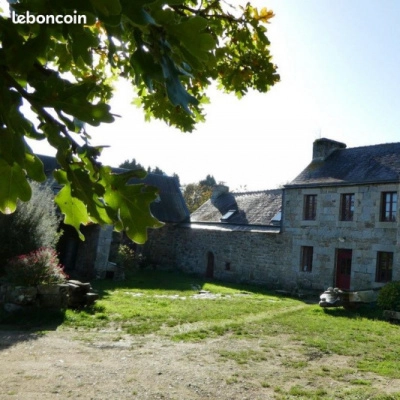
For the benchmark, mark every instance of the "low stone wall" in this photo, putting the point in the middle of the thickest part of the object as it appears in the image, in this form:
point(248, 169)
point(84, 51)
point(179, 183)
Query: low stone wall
point(72, 294)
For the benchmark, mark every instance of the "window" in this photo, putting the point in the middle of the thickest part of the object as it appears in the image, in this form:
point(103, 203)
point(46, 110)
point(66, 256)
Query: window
point(347, 207)
point(306, 258)
point(310, 207)
point(389, 206)
point(227, 215)
point(384, 266)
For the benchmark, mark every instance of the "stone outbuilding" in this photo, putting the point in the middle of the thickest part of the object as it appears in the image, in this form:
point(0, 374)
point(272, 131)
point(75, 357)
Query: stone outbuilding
point(91, 258)
point(232, 237)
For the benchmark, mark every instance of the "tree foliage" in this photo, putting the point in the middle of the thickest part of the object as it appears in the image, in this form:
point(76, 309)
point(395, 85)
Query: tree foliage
point(208, 182)
point(133, 164)
point(170, 50)
point(196, 194)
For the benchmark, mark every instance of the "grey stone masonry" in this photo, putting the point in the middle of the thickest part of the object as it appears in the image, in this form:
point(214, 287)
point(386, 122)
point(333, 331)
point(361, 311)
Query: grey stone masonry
point(322, 148)
point(261, 258)
point(101, 264)
point(365, 235)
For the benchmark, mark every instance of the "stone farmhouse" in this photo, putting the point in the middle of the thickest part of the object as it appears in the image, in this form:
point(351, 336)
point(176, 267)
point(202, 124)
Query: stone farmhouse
point(335, 224)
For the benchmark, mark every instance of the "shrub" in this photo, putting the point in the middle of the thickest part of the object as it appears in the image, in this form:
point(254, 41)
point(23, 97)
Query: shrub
point(33, 225)
point(37, 267)
point(130, 259)
point(389, 296)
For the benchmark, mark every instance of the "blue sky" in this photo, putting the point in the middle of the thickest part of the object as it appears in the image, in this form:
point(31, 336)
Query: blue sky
point(339, 65)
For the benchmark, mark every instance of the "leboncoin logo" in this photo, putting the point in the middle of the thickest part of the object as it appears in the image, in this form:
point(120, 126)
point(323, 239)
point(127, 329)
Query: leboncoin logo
point(29, 18)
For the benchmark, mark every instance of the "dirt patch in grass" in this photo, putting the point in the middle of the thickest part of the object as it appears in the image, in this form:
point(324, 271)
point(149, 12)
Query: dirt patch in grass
point(111, 365)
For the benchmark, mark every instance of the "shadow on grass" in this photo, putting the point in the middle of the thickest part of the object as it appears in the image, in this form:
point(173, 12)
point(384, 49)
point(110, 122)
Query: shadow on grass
point(176, 281)
point(369, 311)
point(147, 279)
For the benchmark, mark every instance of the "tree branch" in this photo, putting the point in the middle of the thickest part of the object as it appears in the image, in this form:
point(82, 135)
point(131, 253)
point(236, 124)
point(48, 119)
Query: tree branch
point(39, 109)
point(204, 13)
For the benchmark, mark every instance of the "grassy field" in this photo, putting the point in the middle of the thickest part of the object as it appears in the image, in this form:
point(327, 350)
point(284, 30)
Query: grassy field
point(168, 305)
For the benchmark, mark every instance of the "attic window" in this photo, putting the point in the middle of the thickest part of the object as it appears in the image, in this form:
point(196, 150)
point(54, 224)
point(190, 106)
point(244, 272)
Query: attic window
point(276, 220)
point(227, 215)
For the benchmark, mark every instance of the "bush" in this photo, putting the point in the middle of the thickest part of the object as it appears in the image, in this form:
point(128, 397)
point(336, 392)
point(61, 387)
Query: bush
point(37, 267)
point(129, 259)
point(389, 296)
point(33, 225)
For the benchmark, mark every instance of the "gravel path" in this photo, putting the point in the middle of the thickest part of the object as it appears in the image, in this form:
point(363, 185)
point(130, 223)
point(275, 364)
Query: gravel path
point(108, 365)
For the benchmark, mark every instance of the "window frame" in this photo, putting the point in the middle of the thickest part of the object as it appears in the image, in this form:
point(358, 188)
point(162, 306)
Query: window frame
point(306, 258)
point(388, 210)
point(310, 207)
point(347, 207)
point(384, 267)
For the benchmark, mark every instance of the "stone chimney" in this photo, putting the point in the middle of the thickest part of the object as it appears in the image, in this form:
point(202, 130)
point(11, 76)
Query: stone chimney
point(323, 148)
point(217, 190)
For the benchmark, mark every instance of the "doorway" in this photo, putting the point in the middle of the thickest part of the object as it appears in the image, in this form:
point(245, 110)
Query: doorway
point(343, 268)
point(210, 265)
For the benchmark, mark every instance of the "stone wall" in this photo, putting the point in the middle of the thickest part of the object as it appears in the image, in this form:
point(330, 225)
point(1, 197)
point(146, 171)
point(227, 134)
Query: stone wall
point(160, 248)
point(104, 240)
point(249, 257)
point(87, 253)
point(89, 259)
point(365, 235)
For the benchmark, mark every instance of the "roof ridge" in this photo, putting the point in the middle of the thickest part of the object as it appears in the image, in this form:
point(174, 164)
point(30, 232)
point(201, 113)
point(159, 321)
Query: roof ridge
point(371, 145)
point(257, 191)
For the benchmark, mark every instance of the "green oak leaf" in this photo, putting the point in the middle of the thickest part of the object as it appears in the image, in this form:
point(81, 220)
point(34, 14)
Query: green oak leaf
point(191, 36)
point(12, 146)
point(88, 189)
point(13, 186)
point(135, 12)
point(175, 90)
point(34, 167)
point(107, 7)
point(133, 204)
point(74, 210)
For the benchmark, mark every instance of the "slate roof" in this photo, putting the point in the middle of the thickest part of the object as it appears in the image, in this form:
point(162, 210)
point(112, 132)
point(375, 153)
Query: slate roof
point(49, 163)
point(251, 209)
point(169, 207)
point(359, 165)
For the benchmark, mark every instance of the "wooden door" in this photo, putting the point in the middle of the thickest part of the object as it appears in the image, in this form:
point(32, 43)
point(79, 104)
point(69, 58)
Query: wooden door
point(343, 268)
point(210, 265)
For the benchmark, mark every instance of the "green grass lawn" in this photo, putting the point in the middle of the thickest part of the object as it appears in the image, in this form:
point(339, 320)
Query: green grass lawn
point(167, 304)
point(159, 302)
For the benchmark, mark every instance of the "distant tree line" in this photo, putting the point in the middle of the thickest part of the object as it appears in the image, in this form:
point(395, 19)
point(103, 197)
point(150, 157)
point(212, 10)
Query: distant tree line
point(196, 194)
point(133, 164)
